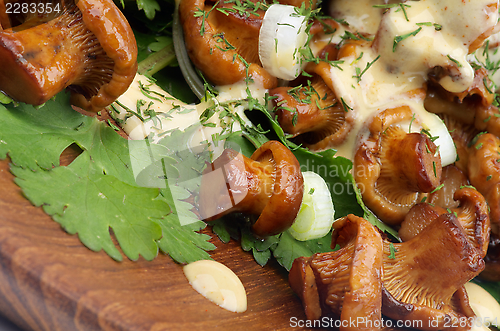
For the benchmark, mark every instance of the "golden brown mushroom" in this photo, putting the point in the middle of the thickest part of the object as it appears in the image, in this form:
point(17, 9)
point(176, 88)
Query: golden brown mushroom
point(471, 213)
point(346, 282)
point(392, 167)
point(408, 276)
point(423, 278)
point(484, 173)
point(311, 114)
point(222, 45)
point(87, 47)
point(268, 185)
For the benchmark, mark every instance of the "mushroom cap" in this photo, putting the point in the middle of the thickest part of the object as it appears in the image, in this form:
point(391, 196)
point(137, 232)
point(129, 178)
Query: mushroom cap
point(268, 185)
point(284, 203)
point(471, 107)
point(89, 48)
point(117, 39)
point(303, 282)
point(4, 17)
point(418, 218)
point(414, 286)
point(471, 213)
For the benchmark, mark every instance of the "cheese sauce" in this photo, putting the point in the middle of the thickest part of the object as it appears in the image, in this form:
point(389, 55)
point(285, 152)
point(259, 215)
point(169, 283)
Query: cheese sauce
point(362, 15)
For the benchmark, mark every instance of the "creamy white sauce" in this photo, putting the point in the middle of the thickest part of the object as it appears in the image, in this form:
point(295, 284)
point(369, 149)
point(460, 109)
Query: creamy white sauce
point(408, 43)
point(174, 114)
point(218, 284)
point(491, 55)
point(377, 90)
point(485, 307)
point(459, 24)
point(361, 15)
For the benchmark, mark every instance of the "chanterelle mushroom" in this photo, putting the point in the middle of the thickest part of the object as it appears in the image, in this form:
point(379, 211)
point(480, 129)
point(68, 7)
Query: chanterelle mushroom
point(311, 114)
point(269, 185)
point(346, 282)
point(420, 280)
point(393, 167)
point(471, 213)
point(88, 47)
point(224, 54)
point(423, 277)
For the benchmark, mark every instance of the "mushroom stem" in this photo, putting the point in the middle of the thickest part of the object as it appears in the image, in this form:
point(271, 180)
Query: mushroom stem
point(213, 53)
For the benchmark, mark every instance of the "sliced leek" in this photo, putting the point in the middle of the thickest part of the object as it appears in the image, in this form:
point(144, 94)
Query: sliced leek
point(282, 35)
point(438, 132)
point(316, 214)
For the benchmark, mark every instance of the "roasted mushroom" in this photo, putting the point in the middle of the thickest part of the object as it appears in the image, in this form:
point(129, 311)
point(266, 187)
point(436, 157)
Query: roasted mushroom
point(346, 282)
point(484, 173)
point(393, 167)
point(269, 185)
point(224, 47)
point(471, 213)
point(87, 47)
point(311, 114)
point(414, 286)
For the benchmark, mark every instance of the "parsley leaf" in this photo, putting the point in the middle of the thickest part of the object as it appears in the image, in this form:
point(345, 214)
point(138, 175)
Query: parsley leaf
point(90, 204)
point(150, 7)
point(97, 192)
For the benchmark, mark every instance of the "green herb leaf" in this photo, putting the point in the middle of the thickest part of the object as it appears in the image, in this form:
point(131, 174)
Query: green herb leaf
point(288, 248)
point(97, 191)
point(89, 204)
point(399, 39)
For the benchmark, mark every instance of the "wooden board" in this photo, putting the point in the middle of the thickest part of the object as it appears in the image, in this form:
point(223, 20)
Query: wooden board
point(50, 281)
